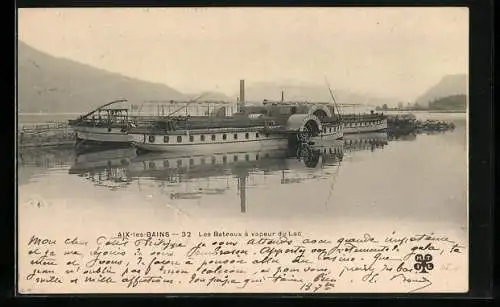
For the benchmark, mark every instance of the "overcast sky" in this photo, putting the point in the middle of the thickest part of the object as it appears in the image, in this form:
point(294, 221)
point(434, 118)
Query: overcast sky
point(395, 52)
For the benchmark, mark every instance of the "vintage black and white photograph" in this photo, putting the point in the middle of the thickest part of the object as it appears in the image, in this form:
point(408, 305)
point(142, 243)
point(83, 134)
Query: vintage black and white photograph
point(242, 150)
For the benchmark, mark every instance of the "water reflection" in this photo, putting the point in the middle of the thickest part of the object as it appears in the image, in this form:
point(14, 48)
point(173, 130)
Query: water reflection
point(183, 177)
point(366, 141)
point(106, 168)
point(46, 158)
point(369, 177)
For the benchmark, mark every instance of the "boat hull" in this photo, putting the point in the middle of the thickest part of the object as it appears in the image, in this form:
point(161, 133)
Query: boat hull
point(328, 136)
point(222, 147)
point(365, 129)
point(101, 135)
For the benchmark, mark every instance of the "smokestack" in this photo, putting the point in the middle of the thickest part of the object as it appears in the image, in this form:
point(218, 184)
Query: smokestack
point(242, 95)
point(282, 96)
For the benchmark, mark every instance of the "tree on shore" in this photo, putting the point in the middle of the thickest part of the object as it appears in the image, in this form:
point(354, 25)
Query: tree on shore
point(454, 102)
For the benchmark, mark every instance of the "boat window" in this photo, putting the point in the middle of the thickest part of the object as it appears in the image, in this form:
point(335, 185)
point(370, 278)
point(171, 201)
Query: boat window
point(267, 135)
point(257, 157)
point(165, 163)
point(202, 138)
point(202, 160)
point(235, 158)
point(166, 138)
point(213, 160)
point(247, 157)
point(224, 159)
point(256, 134)
point(224, 136)
point(191, 162)
point(179, 162)
point(152, 165)
point(213, 137)
point(179, 139)
point(151, 139)
point(236, 136)
point(324, 130)
point(330, 130)
point(247, 135)
point(191, 138)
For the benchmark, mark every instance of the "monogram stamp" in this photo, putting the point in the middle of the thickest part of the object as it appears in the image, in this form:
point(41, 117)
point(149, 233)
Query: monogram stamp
point(423, 264)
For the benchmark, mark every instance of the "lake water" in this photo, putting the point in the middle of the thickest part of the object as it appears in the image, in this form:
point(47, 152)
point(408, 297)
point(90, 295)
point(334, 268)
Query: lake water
point(366, 183)
point(423, 178)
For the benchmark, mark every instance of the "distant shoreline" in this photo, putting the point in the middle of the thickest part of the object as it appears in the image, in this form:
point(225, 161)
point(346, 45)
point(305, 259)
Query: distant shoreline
point(47, 114)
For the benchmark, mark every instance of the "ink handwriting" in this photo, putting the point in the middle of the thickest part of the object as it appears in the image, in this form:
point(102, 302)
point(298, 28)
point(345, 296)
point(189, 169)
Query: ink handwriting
point(241, 261)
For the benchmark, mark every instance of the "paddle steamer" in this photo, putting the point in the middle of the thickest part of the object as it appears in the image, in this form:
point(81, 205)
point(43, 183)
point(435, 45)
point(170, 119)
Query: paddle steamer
point(268, 126)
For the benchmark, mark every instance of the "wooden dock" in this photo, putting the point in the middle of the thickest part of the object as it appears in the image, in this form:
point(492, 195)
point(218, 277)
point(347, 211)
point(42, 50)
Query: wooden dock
point(45, 135)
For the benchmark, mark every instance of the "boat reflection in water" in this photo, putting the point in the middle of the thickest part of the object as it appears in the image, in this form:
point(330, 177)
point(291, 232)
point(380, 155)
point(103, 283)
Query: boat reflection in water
point(366, 141)
point(187, 177)
point(105, 168)
point(394, 136)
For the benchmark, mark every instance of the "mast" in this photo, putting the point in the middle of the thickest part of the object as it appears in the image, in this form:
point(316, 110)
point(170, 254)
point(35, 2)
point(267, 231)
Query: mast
point(335, 106)
point(191, 101)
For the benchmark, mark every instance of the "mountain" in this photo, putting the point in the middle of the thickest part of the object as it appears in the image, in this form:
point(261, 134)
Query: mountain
point(257, 92)
point(50, 84)
point(448, 86)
